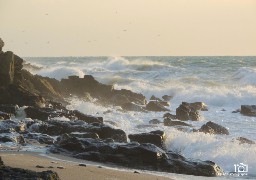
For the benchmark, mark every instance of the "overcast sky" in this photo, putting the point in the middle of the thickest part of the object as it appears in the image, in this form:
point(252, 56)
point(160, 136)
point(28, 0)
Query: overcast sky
point(128, 27)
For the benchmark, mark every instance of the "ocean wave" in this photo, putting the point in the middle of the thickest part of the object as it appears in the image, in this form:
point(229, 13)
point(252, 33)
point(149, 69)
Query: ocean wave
point(60, 72)
point(245, 76)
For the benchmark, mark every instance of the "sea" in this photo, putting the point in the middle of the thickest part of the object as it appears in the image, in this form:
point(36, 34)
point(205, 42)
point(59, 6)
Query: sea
point(222, 83)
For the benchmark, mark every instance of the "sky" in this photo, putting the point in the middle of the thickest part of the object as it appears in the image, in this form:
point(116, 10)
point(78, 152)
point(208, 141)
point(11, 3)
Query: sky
point(129, 27)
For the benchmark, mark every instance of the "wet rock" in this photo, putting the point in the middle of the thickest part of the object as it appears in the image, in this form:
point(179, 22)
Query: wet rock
point(4, 115)
point(164, 103)
point(170, 122)
point(243, 140)
point(39, 113)
point(9, 126)
point(154, 137)
point(10, 173)
point(186, 112)
point(132, 107)
point(83, 165)
point(154, 121)
point(154, 98)
point(85, 135)
point(119, 100)
point(169, 116)
point(199, 106)
point(6, 69)
point(133, 97)
point(135, 155)
point(155, 106)
point(15, 138)
point(87, 118)
point(9, 108)
point(41, 138)
point(248, 110)
point(213, 128)
point(167, 98)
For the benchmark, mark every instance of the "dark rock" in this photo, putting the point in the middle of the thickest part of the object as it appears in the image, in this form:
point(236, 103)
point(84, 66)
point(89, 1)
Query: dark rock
point(248, 110)
point(170, 122)
point(236, 111)
point(15, 138)
point(243, 140)
point(87, 118)
point(4, 115)
point(119, 100)
point(85, 135)
point(9, 173)
point(154, 121)
point(39, 113)
point(136, 172)
point(135, 155)
point(164, 103)
point(9, 126)
point(213, 128)
point(8, 108)
point(154, 98)
point(6, 69)
point(41, 138)
point(155, 106)
point(199, 106)
point(154, 137)
point(186, 112)
point(38, 166)
point(169, 116)
point(84, 165)
point(167, 98)
point(132, 107)
point(133, 97)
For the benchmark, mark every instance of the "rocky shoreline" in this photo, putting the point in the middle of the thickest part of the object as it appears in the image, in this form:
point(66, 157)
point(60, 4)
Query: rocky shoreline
point(88, 137)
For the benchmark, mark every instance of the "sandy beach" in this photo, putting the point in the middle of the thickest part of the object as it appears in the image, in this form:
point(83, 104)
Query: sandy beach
point(72, 170)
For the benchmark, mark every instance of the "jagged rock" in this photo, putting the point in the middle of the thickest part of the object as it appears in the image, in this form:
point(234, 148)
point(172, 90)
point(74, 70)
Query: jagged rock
point(248, 110)
point(85, 135)
point(170, 122)
point(4, 115)
point(9, 173)
point(39, 113)
point(6, 69)
point(164, 103)
point(87, 118)
point(9, 108)
point(154, 98)
point(213, 128)
point(154, 137)
point(55, 128)
point(9, 126)
point(243, 140)
point(155, 106)
point(132, 107)
point(185, 112)
point(167, 98)
point(169, 116)
point(133, 97)
point(119, 100)
point(135, 155)
point(199, 106)
point(154, 121)
point(15, 138)
point(41, 138)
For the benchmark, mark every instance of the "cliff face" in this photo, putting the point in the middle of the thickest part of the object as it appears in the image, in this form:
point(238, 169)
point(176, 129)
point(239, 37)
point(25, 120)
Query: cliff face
point(18, 86)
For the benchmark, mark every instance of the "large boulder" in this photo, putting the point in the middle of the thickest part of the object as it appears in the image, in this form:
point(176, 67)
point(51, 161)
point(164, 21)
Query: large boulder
point(154, 137)
point(6, 69)
point(155, 106)
point(248, 110)
point(142, 156)
point(186, 112)
point(9, 108)
point(213, 128)
point(130, 106)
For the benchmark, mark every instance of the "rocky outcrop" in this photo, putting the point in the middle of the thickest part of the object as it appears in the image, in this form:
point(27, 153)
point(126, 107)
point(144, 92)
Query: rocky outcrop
point(170, 122)
point(132, 107)
point(154, 137)
point(10, 173)
point(243, 140)
point(248, 110)
point(185, 112)
point(213, 128)
point(155, 106)
point(135, 155)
